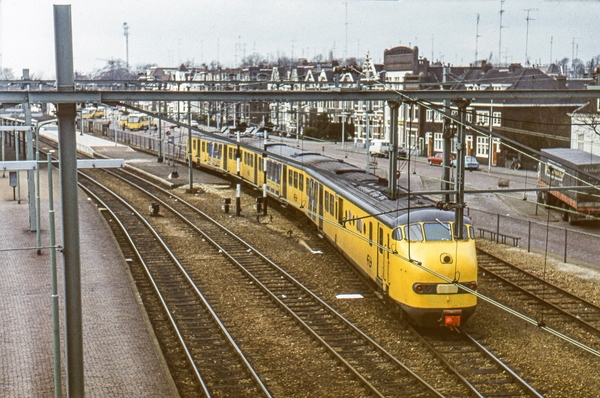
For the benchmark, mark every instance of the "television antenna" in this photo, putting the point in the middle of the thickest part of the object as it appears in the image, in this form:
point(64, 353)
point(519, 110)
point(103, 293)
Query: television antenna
point(527, 34)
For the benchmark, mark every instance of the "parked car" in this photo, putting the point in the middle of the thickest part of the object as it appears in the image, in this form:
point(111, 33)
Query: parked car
point(402, 153)
point(438, 159)
point(379, 148)
point(471, 163)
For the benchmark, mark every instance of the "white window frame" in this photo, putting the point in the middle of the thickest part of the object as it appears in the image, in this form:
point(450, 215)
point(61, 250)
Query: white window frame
point(429, 115)
point(483, 118)
point(438, 141)
point(497, 119)
point(482, 146)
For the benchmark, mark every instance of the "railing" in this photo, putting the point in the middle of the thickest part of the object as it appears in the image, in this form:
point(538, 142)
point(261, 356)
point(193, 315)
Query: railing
point(566, 244)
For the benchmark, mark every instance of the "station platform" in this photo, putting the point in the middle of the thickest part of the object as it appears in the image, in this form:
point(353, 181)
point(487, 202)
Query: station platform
point(121, 356)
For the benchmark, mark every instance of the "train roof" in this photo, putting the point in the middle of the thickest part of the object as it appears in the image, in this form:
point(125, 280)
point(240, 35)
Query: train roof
point(366, 190)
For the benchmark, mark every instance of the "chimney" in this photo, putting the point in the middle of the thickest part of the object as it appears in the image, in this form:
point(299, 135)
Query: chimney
point(561, 82)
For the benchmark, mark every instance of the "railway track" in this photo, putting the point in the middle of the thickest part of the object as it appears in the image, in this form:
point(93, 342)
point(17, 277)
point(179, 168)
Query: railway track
point(483, 372)
point(496, 379)
point(195, 342)
point(380, 372)
point(552, 305)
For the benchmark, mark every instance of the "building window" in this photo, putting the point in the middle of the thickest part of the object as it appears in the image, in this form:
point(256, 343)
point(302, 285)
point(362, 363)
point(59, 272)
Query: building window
point(497, 119)
point(580, 141)
point(429, 115)
point(483, 146)
point(438, 141)
point(482, 118)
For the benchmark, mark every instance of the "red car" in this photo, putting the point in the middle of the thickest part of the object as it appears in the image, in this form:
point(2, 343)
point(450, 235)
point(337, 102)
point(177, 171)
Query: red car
point(438, 158)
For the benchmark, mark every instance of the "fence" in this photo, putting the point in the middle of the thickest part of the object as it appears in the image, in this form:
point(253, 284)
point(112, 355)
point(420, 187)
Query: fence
point(541, 237)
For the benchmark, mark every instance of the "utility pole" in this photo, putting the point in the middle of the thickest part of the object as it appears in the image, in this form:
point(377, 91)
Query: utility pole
point(527, 34)
point(70, 210)
point(126, 34)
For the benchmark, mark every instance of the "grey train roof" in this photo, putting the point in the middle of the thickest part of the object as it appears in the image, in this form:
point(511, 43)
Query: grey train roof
point(365, 189)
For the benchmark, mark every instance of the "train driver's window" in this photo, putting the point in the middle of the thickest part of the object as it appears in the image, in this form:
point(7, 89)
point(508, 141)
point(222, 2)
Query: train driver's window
point(413, 233)
point(397, 233)
point(437, 231)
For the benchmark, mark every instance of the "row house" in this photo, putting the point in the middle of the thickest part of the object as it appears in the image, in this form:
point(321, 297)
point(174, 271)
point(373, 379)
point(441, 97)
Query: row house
point(499, 124)
point(585, 124)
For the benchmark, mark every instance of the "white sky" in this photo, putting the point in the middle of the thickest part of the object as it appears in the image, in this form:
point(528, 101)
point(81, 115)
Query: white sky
point(170, 32)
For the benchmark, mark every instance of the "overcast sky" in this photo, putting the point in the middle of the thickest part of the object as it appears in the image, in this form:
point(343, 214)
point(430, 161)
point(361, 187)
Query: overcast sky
point(168, 33)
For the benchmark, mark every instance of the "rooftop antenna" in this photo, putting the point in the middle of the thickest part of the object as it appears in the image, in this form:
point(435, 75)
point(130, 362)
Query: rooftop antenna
point(477, 39)
point(573, 53)
point(500, 39)
point(346, 48)
point(527, 34)
point(126, 34)
point(551, 42)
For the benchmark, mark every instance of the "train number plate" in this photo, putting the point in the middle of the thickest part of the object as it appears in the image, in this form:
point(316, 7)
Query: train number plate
point(446, 289)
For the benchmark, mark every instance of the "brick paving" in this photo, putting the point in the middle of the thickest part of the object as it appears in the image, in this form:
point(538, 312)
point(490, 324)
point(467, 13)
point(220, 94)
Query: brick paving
point(121, 358)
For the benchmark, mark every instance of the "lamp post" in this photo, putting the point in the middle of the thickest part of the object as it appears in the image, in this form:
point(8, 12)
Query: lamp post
point(55, 314)
point(37, 179)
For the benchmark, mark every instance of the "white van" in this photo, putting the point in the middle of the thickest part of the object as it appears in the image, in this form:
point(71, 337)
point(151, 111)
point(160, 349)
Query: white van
point(379, 148)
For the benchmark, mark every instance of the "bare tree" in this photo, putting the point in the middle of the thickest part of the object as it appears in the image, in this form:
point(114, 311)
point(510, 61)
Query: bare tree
point(114, 70)
point(6, 74)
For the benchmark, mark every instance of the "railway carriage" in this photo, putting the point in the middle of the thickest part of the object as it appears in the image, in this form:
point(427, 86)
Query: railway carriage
point(404, 246)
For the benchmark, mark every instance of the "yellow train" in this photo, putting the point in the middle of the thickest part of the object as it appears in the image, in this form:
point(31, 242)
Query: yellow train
point(137, 121)
point(404, 247)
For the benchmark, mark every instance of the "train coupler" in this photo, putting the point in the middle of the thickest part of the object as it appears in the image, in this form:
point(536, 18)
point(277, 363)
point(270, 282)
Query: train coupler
point(451, 318)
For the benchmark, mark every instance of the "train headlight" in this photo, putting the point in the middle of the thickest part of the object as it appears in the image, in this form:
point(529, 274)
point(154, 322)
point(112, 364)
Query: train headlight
point(424, 288)
point(446, 258)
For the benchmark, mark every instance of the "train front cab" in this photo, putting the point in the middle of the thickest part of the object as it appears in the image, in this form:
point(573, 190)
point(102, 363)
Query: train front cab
point(426, 298)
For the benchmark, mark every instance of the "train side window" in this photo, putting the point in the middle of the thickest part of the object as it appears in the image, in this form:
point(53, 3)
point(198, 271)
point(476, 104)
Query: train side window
point(203, 146)
point(413, 233)
point(370, 233)
point(295, 179)
point(301, 183)
point(359, 225)
point(327, 201)
point(331, 204)
point(290, 178)
point(380, 240)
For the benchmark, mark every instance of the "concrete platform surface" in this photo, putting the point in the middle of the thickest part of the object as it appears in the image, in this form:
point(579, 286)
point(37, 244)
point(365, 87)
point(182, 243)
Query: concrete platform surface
point(121, 358)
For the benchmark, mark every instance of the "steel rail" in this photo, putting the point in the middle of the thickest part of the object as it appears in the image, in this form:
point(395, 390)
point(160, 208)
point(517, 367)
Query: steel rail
point(275, 297)
point(542, 282)
point(181, 339)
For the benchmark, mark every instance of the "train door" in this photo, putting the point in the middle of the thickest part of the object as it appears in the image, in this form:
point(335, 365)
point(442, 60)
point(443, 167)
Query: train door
point(225, 156)
point(340, 210)
point(255, 168)
point(284, 176)
point(320, 208)
point(382, 258)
